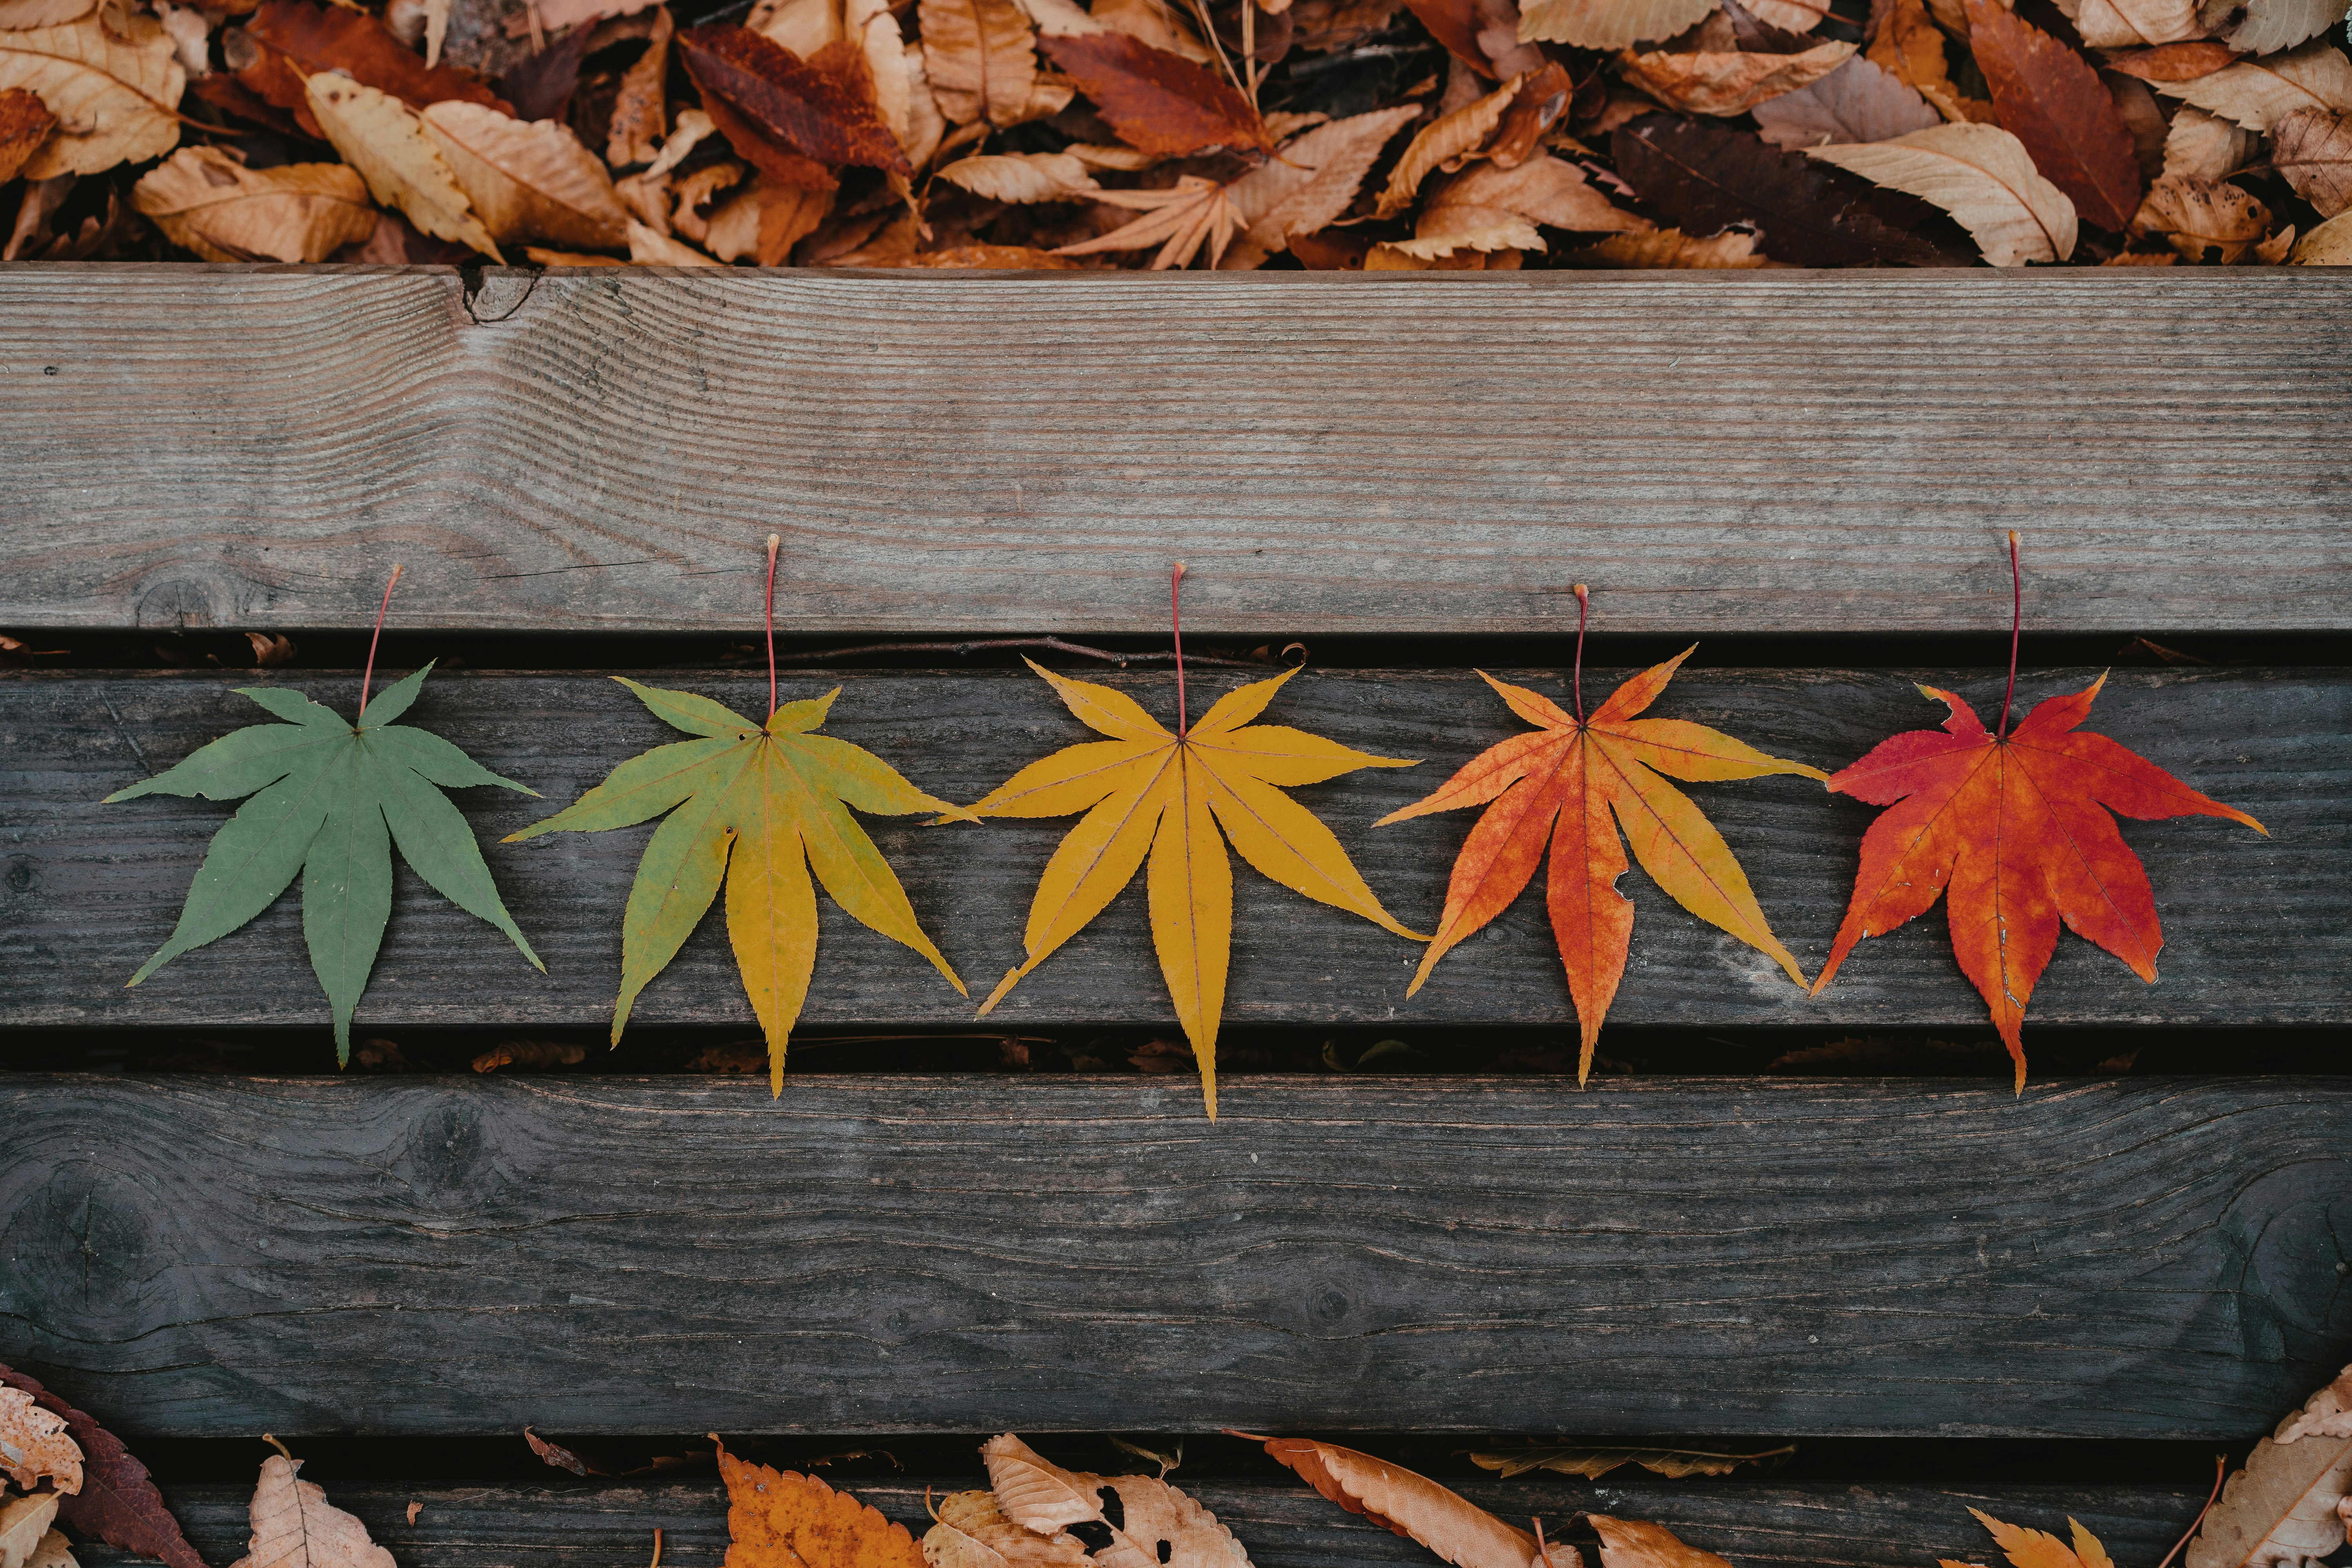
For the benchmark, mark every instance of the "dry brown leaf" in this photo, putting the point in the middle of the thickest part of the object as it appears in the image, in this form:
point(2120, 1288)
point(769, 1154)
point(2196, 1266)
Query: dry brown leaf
point(2201, 146)
point(638, 123)
point(1310, 183)
point(1179, 220)
point(2270, 26)
point(386, 141)
point(779, 1518)
point(206, 201)
point(2197, 215)
point(997, 259)
point(1726, 84)
point(691, 193)
point(764, 222)
point(52, 1551)
point(972, 1533)
point(1910, 46)
point(1412, 1505)
point(1796, 15)
point(115, 95)
point(1493, 233)
point(16, 15)
point(2133, 24)
point(527, 179)
point(23, 1524)
point(978, 60)
point(1609, 24)
point(2329, 245)
point(1671, 248)
point(1154, 22)
point(2283, 1506)
point(2312, 150)
point(870, 25)
point(1442, 143)
point(647, 196)
point(538, 1055)
point(2173, 62)
point(1637, 1543)
point(1594, 1462)
point(1057, 17)
point(803, 27)
point(693, 127)
point(1023, 177)
point(892, 243)
point(2142, 119)
point(25, 123)
point(294, 1525)
point(1477, 205)
point(1160, 1527)
point(1983, 176)
point(1858, 101)
point(2257, 94)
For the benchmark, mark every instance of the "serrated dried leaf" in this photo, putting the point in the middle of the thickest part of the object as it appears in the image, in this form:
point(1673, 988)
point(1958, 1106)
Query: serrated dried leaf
point(775, 108)
point(1797, 15)
point(1609, 24)
point(1594, 1462)
point(1412, 1505)
point(1909, 46)
point(765, 222)
point(2312, 150)
point(1708, 177)
point(2201, 146)
point(16, 14)
point(2051, 100)
point(980, 59)
point(1157, 23)
point(207, 202)
point(527, 179)
point(1179, 220)
point(33, 1445)
point(779, 1518)
point(1638, 1543)
point(52, 1551)
point(1856, 102)
point(971, 1531)
point(1726, 84)
point(299, 39)
point(1311, 184)
point(1023, 177)
point(2199, 215)
point(639, 112)
point(115, 95)
point(1442, 143)
point(1984, 177)
point(1160, 1525)
point(387, 143)
point(2173, 62)
point(2039, 1549)
point(1668, 249)
point(1157, 101)
point(294, 1526)
point(25, 123)
point(1475, 208)
point(118, 1502)
point(2329, 245)
point(23, 1524)
point(2133, 24)
point(2256, 93)
point(2271, 25)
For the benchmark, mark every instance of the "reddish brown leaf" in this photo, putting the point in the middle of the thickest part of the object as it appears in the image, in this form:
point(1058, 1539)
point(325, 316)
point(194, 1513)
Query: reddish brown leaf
point(2174, 62)
point(821, 110)
point(2050, 99)
point(24, 122)
point(118, 1502)
point(298, 38)
point(1158, 102)
point(1706, 177)
point(1454, 24)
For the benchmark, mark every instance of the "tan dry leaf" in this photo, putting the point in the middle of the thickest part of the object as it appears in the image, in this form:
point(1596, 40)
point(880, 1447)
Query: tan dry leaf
point(1637, 1543)
point(1609, 24)
point(978, 58)
point(1412, 1505)
point(2135, 23)
point(1179, 220)
point(803, 27)
point(52, 1551)
point(2312, 150)
point(387, 143)
point(1672, 249)
point(1858, 101)
point(1310, 183)
point(1023, 177)
point(2256, 93)
point(23, 1524)
point(972, 1533)
point(1983, 176)
point(1501, 231)
point(1061, 19)
point(2197, 215)
point(34, 1447)
point(2271, 25)
point(891, 244)
point(646, 198)
point(691, 193)
point(1442, 143)
point(648, 246)
point(1154, 22)
point(1094, 155)
point(1161, 1525)
point(207, 202)
point(2283, 1507)
point(2329, 245)
point(528, 179)
point(18, 14)
point(2201, 146)
point(116, 96)
point(1796, 15)
point(871, 26)
point(638, 121)
point(294, 1525)
point(924, 124)
point(41, 202)
point(764, 223)
point(1475, 207)
point(1909, 46)
point(995, 258)
point(2143, 121)
point(191, 34)
point(1728, 83)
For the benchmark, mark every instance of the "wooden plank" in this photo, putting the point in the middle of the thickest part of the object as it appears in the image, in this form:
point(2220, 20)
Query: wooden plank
point(254, 447)
point(213, 1257)
point(1821, 1524)
point(2257, 930)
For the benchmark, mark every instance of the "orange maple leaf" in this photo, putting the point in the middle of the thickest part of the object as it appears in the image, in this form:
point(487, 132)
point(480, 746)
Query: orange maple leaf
point(2039, 1549)
point(779, 1518)
point(1557, 787)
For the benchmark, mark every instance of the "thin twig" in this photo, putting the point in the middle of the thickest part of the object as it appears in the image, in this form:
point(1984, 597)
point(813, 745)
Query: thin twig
point(991, 644)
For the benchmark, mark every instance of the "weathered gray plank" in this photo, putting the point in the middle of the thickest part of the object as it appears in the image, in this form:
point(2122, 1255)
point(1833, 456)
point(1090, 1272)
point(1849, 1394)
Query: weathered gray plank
point(254, 447)
point(1823, 1524)
point(208, 1256)
point(2259, 930)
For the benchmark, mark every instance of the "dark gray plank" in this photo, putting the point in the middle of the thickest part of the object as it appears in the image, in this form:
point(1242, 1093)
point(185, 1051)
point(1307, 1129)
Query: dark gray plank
point(211, 1256)
point(1819, 1523)
point(2259, 930)
point(254, 447)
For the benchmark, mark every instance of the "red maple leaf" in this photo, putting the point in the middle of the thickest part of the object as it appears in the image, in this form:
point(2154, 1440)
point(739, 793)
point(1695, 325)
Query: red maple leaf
point(2014, 829)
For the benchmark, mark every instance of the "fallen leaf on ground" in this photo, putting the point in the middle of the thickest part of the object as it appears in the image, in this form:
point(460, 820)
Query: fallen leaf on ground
point(1552, 790)
point(300, 39)
point(294, 1526)
point(1909, 46)
point(387, 143)
point(2286, 1505)
point(755, 805)
point(971, 1531)
point(1150, 790)
point(114, 94)
point(23, 1525)
point(639, 118)
point(1706, 177)
point(118, 1502)
point(821, 109)
point(2200, 215)
point(2328, 245)
point(16, 15)
point(1158, 1527)
point(1312, 182)
point(331, 798)
point(527, 179)
point(1592, 1463)
point(2051, 100)
point(1442, 143)
point(1725, 84)
point(1483, 201)
point(1855, 102)
point(980, 59)
point(1609, 24)
point(34, 1444)
point(2133, 24)
point(780, 1518)
point(2201, 146)
point(1179, 220)
point(2312, 150)
point(1157, 101)
point(2173, 62)
point(2256, 93)
point(1983, 176)
point(531, 1055)
point(1638, 1543)
point(1021, 177)
point(25, 123)
point(1670, 249)
point(2270, 26)
point(225, 211)
point(2039, 1549)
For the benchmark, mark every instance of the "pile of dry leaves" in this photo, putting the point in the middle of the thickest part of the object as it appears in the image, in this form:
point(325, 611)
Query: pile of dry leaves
point(1381, 134)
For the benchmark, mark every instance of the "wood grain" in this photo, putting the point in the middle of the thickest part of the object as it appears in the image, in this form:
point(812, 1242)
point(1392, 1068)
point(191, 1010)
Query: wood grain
point(2257, 930)
point(1818, 1524)
point(217, 1256)
point(254, 447)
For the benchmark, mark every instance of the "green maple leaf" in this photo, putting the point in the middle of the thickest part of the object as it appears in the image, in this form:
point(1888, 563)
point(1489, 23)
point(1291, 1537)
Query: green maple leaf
point(755, 807)
point(333, 798)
